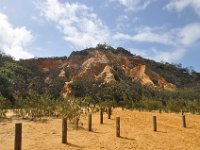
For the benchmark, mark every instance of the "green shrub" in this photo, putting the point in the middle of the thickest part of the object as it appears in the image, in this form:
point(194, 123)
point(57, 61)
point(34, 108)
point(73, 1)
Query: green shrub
point(69, 108)
point(175, 105)
point(3, 107)
point(151, 105)
point(35, 106)
point(193, 106)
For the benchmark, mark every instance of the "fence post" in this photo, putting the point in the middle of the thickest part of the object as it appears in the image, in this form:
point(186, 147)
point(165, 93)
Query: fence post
point(117, 126)
point(182, 112)
point(109, 112)
point(76, 123)
point(101, 116)
point(184, 121)
point(89, 122)
point(64, 130)
point(18, 136)
point(154, 124)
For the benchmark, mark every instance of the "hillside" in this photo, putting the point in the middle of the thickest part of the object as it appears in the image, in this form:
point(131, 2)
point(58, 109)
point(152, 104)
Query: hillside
point(93, 62)
point(115, 65)
point(100, 73)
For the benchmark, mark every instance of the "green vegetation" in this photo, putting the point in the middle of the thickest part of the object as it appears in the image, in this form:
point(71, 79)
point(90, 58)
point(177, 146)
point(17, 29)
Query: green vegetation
point(4, 105)
point(37, 106)
point(176, 74)
point(135, 96)
point(23, 88)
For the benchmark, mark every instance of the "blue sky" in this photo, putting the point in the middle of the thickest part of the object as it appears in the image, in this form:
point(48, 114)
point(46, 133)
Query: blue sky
point(163, 30)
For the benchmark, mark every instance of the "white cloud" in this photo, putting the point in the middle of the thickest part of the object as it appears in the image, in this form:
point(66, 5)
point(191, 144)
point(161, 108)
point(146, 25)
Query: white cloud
point(147, 36)
point(169, 56)
point(134, 5)
point(178, 40)
point(190, 34)
point(37, 20)
point(14, 40)
point(179, 5)
point(122, 18)
point(79, 24)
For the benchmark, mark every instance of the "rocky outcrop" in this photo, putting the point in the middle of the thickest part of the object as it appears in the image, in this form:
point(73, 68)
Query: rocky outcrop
point(97, 59)
point(104, 65)
point(67, 90)
point(139, 74)
point(107, 75)
point(148, 77)
point(62, 74)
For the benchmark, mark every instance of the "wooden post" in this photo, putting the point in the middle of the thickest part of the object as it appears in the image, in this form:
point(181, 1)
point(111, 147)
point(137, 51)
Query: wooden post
point(76, 123)
point(117, 126)
point(154, 124)
point(109, 112)
point(89, 122)
point(64, 130)
point(182, 112)
point(160, 111)
point(18, 136)
point(184, 121)
point(101, 116)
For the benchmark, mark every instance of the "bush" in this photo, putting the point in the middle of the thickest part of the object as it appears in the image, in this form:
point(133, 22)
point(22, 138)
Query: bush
point(193, 106)
point(151, 105)
point(176, 105)
point(3, 107)
point(35, 106)
point(70, 108)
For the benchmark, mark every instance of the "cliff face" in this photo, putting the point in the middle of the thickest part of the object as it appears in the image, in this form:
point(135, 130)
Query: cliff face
point(138, 73)
point(105, 65)
point(148, 77)
point(111, 66)
point(107, 75)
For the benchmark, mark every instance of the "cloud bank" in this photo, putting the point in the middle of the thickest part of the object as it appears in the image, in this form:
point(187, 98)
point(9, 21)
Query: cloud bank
point(79, 24)
point(180, 5)
point(82, 28)
point(179, 40)
point(13, 40)
point(134, 5)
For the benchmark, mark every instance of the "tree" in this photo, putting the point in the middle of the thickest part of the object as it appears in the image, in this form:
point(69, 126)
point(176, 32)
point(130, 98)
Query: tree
point(69, 108)
point(4, 105)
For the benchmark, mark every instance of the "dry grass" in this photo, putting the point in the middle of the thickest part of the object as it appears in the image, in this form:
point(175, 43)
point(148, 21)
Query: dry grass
point(136, 133)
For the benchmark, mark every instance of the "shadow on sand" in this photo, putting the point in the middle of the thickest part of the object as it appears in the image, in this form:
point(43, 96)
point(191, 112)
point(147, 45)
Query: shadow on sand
point(127, 138)
point(73, 145)
point(161, 131)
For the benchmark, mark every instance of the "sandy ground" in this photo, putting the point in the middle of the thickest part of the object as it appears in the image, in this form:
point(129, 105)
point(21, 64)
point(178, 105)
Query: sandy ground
point(136, 133)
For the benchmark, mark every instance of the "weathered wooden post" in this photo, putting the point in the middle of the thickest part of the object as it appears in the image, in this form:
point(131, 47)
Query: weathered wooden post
point(76, 123)
point(89, 122)
point(184, 121)
point(18, 136)
point(154, 124)
point(182, 112)
point(117, 126)
point(160, 111)
point(101, 116)
point(64, 130)
point(109, 112)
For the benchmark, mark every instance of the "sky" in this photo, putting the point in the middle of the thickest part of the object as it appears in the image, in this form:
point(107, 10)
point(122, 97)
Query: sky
point(162, 30)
